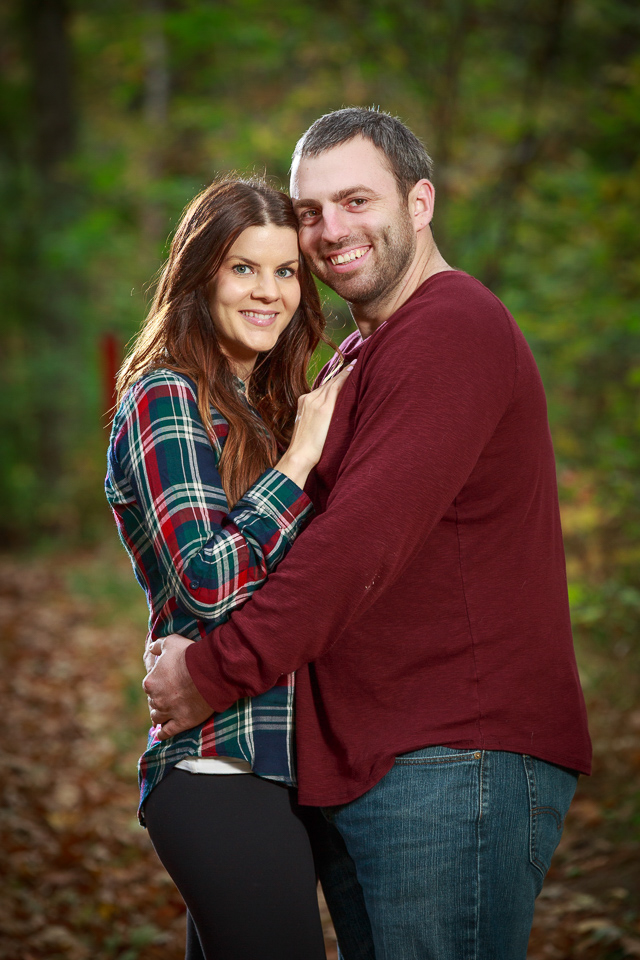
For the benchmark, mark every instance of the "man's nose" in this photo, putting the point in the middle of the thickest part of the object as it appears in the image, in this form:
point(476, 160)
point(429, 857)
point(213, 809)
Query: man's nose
point(334, 225)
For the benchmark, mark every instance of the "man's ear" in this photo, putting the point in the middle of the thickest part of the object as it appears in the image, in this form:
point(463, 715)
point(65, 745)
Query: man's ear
point(421, 202)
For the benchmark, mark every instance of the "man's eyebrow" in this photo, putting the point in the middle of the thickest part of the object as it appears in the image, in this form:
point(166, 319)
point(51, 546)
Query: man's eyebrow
point(304, 203)
point(350, 191)
point(339, 195)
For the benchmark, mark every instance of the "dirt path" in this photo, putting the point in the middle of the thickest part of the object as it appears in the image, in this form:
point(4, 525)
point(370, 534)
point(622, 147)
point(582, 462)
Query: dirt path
point(80, 880)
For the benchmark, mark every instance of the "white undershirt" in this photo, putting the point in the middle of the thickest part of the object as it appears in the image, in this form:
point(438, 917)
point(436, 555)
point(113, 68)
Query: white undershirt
point(214, 765)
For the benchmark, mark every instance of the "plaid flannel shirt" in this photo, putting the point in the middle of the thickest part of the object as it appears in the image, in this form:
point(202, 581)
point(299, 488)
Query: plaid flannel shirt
point(197, 561)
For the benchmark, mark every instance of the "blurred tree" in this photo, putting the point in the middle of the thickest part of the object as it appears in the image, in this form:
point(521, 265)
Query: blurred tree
point(42, 284)
point(45, 27)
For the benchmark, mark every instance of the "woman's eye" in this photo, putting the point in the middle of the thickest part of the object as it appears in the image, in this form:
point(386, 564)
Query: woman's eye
point(242, 269)
point(285, 272)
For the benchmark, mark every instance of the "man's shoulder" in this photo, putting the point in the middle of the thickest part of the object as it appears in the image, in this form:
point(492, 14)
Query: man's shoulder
point(452, 323)
point(456, 293)
point(451, 306)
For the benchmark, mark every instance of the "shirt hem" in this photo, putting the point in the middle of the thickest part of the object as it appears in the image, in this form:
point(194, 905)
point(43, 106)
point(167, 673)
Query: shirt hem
point(314, 798)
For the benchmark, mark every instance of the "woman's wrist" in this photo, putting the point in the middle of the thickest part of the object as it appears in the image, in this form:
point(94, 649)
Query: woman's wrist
point(295, 466)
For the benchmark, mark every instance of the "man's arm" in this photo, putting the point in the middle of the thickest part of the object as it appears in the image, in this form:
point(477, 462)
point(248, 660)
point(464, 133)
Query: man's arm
point(426, 408)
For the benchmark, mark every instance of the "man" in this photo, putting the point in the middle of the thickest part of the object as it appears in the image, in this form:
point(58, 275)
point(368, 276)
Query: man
point(440, 721)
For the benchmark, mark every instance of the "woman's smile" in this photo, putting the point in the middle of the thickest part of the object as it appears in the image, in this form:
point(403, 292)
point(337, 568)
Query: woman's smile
point(259, 318)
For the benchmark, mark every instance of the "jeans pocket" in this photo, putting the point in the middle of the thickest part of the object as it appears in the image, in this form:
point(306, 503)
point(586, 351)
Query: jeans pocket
point(551, 791)
point(436, 755)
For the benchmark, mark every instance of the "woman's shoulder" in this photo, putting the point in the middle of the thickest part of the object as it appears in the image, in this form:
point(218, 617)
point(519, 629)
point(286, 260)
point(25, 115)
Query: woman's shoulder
point(163, 391)
point(153, 394)
point(157, 387)
point(163, 381)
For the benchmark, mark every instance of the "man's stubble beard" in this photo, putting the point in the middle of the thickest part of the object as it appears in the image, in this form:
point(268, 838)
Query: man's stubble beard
point(394, 248)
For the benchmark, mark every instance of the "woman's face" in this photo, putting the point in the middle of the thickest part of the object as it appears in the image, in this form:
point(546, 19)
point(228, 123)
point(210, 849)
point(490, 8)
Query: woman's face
point(255, 293)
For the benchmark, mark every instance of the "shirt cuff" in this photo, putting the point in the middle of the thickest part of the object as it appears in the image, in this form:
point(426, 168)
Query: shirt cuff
point(206, 676)
point(283, 501)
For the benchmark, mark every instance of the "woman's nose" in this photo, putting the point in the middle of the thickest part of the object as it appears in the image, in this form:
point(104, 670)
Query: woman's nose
point(266, 288)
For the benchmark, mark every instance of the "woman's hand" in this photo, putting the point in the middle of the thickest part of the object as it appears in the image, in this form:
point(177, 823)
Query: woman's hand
point(310, 430)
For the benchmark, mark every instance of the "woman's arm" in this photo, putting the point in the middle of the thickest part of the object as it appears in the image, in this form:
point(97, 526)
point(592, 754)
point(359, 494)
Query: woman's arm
point(161, 460)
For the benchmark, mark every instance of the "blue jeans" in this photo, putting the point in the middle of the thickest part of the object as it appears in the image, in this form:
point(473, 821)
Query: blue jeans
point(444, 857)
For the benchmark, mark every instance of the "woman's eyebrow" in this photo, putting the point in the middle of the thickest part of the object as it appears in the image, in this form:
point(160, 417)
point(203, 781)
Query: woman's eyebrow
point(253, 263)
point(239, 256)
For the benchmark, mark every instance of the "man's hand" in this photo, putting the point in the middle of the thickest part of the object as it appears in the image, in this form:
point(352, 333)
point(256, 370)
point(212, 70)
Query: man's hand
point(173, 698)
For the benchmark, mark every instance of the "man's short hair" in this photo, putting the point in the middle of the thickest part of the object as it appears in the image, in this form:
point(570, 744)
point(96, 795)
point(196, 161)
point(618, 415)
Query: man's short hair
point(406, 156)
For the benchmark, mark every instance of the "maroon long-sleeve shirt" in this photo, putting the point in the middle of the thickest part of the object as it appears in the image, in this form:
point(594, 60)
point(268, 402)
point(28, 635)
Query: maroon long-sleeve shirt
point(426, 604)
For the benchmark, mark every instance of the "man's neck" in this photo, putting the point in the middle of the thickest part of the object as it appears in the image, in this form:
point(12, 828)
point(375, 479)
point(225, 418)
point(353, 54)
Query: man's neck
point(426, 263)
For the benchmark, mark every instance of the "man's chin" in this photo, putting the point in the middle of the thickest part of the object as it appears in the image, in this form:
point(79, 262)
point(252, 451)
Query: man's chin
point(344, 284)
point(352, 288)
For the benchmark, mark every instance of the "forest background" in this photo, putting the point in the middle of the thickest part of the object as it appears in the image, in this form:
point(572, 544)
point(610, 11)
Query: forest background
point(112, 116)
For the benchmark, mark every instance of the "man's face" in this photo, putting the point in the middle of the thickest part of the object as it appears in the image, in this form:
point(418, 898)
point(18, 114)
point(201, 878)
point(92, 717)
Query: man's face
point(355, 229)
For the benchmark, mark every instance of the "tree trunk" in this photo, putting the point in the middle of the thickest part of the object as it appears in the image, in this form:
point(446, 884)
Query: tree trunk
point(445, 113)
point(520, 162)
point(155, 110)
point(45, 24)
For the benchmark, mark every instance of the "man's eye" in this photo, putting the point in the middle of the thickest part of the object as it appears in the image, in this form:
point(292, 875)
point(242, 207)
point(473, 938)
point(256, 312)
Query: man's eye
point(308, 214)
point(284, 272)
point(242, 269)
point(357, 202)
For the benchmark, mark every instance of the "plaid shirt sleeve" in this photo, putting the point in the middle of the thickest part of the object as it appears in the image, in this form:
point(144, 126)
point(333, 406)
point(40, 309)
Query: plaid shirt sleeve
point(210, 558)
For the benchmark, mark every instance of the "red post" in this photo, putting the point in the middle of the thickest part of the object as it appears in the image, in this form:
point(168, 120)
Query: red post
point(110, 359)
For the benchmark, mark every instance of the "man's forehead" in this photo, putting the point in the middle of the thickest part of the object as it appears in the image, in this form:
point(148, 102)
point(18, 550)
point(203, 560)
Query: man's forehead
point(354, 163)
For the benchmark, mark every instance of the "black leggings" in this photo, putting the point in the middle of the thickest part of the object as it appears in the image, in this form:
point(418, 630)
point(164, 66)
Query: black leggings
point(238, 851)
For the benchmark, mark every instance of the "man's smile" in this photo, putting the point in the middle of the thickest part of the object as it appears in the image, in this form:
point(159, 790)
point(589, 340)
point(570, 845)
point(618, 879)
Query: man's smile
point(347, 257)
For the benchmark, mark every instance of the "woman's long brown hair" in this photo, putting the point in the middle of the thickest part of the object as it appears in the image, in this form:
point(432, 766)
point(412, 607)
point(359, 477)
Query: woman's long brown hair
point(179, 333)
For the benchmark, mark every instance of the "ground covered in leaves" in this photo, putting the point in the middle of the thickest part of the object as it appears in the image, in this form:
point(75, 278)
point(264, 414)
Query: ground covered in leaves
point(80, 879)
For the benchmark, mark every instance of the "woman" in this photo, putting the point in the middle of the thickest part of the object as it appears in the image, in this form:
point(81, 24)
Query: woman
point(207, 504)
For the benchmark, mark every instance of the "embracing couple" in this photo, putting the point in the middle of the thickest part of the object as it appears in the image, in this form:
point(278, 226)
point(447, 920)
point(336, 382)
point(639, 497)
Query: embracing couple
point(388, 546)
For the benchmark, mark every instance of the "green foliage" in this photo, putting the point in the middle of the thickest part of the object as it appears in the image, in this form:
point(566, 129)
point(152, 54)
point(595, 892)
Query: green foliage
point(531, 109)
